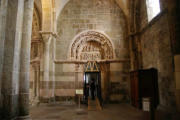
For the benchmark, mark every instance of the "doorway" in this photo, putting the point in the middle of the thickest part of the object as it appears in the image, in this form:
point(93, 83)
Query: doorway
point(89, 78)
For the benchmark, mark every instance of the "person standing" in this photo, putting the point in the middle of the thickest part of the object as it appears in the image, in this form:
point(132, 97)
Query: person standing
point(92, 88)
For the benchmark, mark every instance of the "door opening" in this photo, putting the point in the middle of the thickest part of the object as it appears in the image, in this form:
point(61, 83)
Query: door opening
point(92, 86)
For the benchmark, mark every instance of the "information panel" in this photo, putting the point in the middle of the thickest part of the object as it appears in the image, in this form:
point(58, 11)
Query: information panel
point(79, 91)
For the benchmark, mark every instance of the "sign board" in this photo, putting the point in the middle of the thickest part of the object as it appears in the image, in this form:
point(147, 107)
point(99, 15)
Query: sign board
point(79, 91)
point(146, 104)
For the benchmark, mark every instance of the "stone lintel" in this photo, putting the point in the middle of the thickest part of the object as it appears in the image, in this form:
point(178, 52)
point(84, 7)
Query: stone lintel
point(85, 61)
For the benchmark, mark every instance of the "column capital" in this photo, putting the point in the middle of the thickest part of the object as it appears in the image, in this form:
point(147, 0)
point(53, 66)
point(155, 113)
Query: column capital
point(48, 33)
point(47, 36)
point(36, 66)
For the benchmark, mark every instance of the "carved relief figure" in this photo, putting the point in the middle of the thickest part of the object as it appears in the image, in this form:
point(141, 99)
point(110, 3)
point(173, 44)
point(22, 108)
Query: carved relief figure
point(91, 45)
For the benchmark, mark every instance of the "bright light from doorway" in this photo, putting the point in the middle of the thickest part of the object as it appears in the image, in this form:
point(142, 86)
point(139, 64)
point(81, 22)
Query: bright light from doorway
point(153, 8)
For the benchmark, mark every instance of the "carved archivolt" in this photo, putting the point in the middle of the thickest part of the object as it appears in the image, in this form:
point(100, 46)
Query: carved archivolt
point(91, 45)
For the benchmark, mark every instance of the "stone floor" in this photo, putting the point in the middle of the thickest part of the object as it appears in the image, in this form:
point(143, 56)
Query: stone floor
point(71, 112)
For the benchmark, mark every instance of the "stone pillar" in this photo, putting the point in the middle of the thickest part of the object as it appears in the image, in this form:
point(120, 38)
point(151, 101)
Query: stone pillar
point(37, 81)
point(35, 89)
point(25, 59)
point(53, 68)
point(34, 79)
point(13, 16)
point(3, 12)
point(47, 37)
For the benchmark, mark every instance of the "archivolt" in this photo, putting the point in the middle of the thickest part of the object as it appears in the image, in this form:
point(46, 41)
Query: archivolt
point(82, 39)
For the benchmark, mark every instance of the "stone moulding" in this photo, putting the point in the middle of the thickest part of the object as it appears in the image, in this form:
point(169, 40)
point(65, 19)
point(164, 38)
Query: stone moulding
point(85, 61)
point(88, 36)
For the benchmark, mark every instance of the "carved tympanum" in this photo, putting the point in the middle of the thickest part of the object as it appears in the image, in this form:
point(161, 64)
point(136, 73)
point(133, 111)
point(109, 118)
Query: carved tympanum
point(91, 45)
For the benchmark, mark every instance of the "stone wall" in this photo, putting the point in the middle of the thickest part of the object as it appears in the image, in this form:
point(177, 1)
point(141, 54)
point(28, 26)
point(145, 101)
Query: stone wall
point(152, 43)
point(143, 15)
point(156, 52)
point(68, 77)
point(102, 16)
point(119, 82)
point(114, 81)
point(80, 15)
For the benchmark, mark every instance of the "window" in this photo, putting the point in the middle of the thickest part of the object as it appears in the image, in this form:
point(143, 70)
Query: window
point(153, 8)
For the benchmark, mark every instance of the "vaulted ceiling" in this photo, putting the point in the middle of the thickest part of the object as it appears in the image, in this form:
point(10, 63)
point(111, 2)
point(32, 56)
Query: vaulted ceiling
point(59, 5)
point(45, 10)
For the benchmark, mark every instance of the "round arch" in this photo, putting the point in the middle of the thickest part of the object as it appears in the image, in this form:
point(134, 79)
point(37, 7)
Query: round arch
point(90, 43)
point(122, 4)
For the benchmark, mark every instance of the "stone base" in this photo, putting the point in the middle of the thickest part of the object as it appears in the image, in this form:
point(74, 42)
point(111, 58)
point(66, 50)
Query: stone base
point(9, 109)
point(35, 101)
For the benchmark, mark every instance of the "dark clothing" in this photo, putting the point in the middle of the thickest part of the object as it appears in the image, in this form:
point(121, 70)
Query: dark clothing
point(92, 87)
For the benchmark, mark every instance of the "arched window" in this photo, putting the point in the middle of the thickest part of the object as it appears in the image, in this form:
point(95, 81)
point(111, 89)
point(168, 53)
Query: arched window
point(153, 8)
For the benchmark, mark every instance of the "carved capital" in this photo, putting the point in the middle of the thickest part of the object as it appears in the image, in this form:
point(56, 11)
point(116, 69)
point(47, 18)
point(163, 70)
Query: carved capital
point(47, 37)
point(36, 65)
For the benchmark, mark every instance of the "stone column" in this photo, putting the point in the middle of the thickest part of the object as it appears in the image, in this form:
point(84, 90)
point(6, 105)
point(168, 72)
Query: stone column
point(13, 11)
point(53, 68)
point(3, 12)
point(36, 81)
point(25, 59)
point(47, 37)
